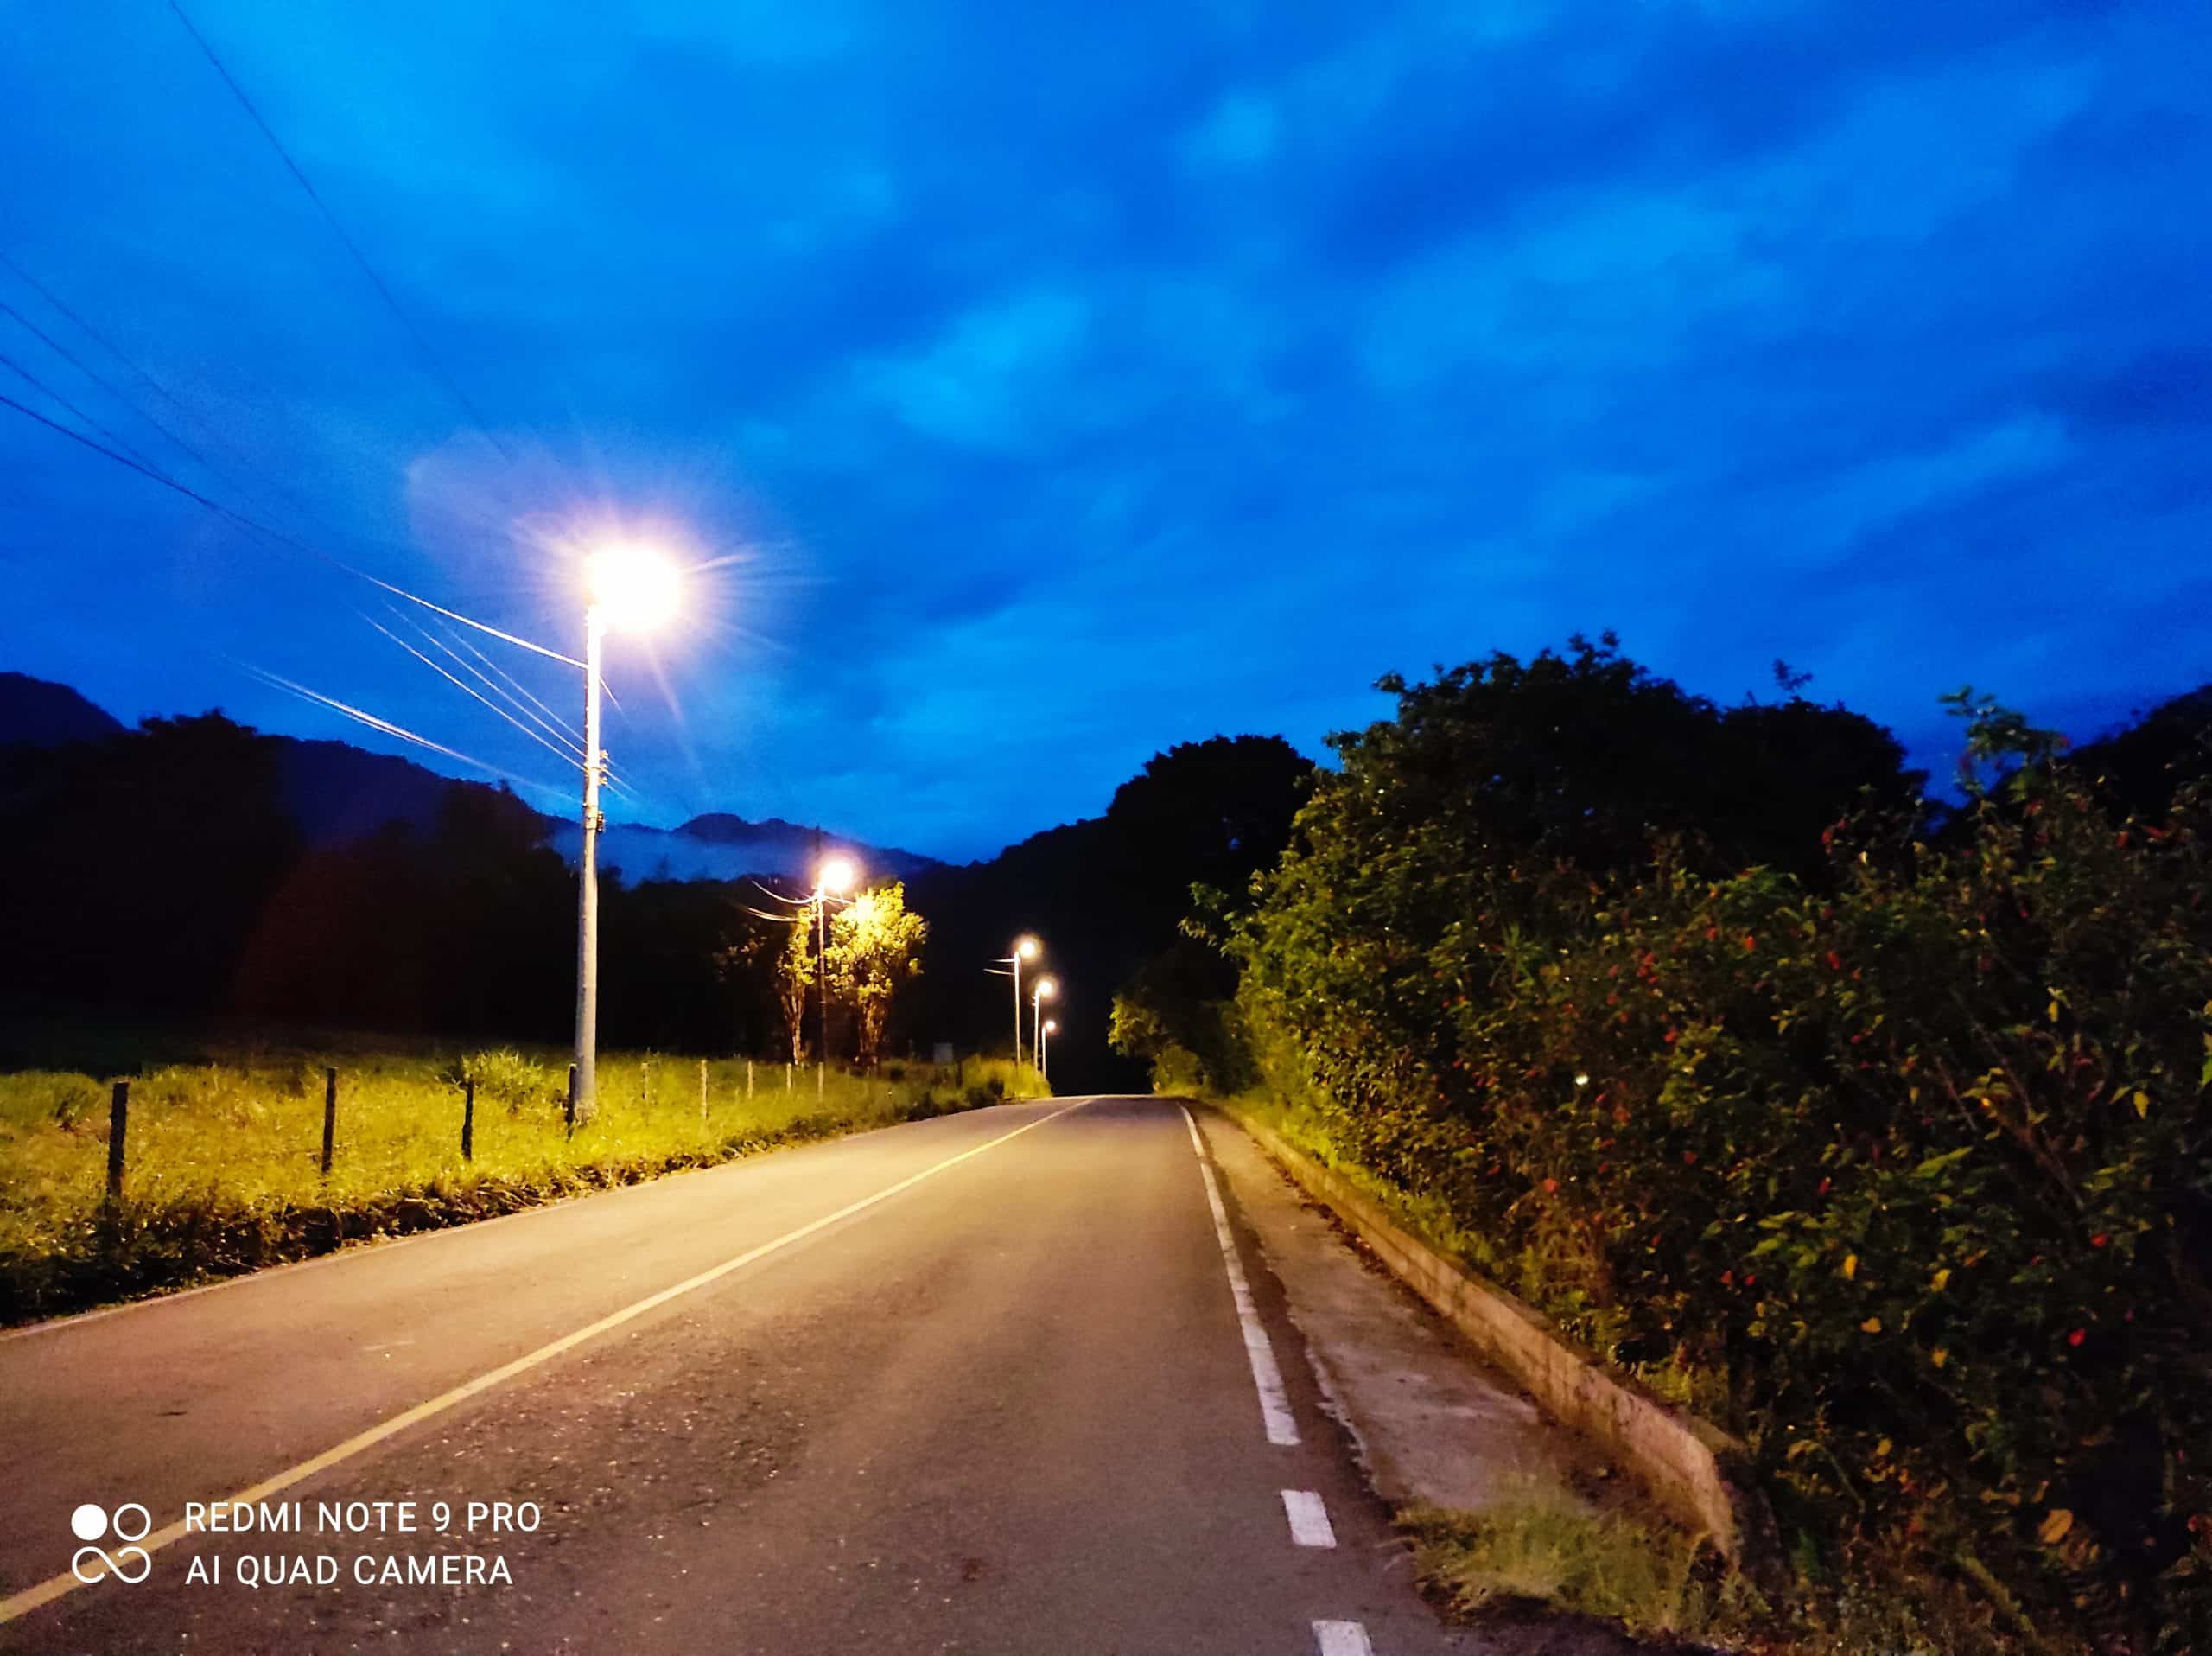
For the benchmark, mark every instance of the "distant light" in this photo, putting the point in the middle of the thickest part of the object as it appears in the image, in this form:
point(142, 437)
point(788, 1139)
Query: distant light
point(1046, 989)
point(1026, 947)
point(836, 875)
point(1052, 1025)
point(1582, 1079)
point(633, 588)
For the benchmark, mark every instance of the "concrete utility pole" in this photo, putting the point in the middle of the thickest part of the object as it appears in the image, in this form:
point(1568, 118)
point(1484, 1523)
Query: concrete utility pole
point(1024, 948)
point(586, 1083)
point(1045, 990)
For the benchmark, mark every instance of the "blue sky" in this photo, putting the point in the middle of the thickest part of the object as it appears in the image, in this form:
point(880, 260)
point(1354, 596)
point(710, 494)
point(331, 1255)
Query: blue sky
point(1064, 382)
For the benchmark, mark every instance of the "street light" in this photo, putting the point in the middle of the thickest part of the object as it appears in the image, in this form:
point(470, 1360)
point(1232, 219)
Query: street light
point(1045, 990)
point(834, 878)
point(633, 588)
point(1024, 948)
point(1051, 1027)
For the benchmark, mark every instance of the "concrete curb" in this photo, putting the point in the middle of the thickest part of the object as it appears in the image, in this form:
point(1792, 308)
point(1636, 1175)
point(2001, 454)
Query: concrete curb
point(1697, 1472)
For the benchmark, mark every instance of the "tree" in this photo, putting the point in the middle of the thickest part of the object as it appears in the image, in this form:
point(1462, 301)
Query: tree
point(1108, 895)
point(874, 942)
point(795, 978)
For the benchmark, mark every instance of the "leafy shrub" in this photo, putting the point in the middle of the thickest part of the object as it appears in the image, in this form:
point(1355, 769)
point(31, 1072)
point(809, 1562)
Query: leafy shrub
point(1906, 1157)
point(505, 1076)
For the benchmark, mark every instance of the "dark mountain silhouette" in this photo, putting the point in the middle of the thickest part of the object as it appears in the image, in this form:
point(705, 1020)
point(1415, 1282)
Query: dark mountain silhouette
point(337, 793)
point(38, 713)
point(791, 840)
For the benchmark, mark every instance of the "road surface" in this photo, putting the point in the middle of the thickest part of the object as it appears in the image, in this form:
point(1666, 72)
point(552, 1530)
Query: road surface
point(985, 1384)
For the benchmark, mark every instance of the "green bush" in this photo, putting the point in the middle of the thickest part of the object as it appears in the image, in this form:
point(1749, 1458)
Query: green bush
point(505, 1076)
point(1902, 1165)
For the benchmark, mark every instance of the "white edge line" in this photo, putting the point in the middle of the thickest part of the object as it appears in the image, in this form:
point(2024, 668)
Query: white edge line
point(1266, 1378)
point(1309, 1518)
point(1342, 1638)
point(31, 1598)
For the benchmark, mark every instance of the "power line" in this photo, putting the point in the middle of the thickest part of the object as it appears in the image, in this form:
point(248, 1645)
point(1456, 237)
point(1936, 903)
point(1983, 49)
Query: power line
point(91, 373)
point(383, 291)
point(278, 535)
point(388, 728)
point(99, 339)
point(37, 383)
point(471, 690)
point(566, 729)
point(445, 647)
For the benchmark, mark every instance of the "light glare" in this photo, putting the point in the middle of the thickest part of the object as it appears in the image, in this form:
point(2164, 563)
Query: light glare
point(631, 587)
point(836, 875)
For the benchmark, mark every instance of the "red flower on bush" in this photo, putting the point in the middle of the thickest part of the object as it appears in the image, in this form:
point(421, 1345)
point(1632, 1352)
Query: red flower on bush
point(2077, 1336)
point(1835, 961)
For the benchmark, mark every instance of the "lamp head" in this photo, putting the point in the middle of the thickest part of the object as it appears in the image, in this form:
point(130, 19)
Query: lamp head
point(1046, 989)
point(631, 587)
point(1026, 947)
point(836, 875)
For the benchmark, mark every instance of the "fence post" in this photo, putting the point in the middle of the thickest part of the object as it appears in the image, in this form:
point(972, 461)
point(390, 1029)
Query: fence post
point(702, 1092)
point(469, 1121)
point(118, 1127)
point(329, 1115)
point(749, 1080)
point(787, 1078)
point(572, 1101)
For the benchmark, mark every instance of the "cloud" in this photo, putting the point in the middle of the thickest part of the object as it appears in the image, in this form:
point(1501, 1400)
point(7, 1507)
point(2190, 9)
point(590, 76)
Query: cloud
point(1068, 382)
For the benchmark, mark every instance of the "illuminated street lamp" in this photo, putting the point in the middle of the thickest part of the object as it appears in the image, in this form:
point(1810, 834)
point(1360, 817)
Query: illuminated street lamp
point(1024, 948)
point(1045, 990)
point(1049, 1028)
point(634, 589)
point(833, 879)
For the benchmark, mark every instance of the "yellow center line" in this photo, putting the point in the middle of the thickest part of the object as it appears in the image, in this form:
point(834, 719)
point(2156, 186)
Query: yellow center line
point(32, 1598)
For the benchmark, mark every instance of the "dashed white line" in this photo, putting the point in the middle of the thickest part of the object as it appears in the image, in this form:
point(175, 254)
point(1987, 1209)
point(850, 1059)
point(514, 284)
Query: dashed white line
point(1309, 1518)
point(1275, 1402)
point(1342, 1638)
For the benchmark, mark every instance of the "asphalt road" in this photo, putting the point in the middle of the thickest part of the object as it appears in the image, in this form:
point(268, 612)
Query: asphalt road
point(973, 1385)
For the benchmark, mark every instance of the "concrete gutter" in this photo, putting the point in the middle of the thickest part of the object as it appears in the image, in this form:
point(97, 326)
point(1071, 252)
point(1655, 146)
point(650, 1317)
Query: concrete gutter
point(1696, 1471)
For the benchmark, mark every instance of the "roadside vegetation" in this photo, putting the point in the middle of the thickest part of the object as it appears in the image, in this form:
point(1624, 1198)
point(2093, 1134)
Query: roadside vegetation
point(223, 1171)
point(1876, 1131)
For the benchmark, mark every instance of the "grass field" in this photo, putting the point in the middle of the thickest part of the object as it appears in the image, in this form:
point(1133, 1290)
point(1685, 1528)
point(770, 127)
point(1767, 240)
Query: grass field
point(224, 1144)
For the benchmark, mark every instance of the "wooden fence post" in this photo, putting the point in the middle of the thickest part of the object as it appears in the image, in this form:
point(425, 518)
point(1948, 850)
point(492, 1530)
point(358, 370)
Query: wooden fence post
point(749, 1080)
point(118, 1127)
point(329, 1115)
point(468, 1120)
point(702, 1092)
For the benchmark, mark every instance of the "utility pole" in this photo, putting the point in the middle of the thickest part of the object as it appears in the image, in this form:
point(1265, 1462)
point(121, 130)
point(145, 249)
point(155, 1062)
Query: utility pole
point(587, 1082)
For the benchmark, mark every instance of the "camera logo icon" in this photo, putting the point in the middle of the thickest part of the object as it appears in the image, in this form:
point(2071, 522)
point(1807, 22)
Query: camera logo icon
point(91, 1524)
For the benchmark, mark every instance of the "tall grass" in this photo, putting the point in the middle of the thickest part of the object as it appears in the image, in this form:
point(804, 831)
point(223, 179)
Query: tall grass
point(223, 1170)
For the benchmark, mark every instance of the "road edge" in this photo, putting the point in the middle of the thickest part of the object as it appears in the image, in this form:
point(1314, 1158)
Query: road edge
point(1699, 1474)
